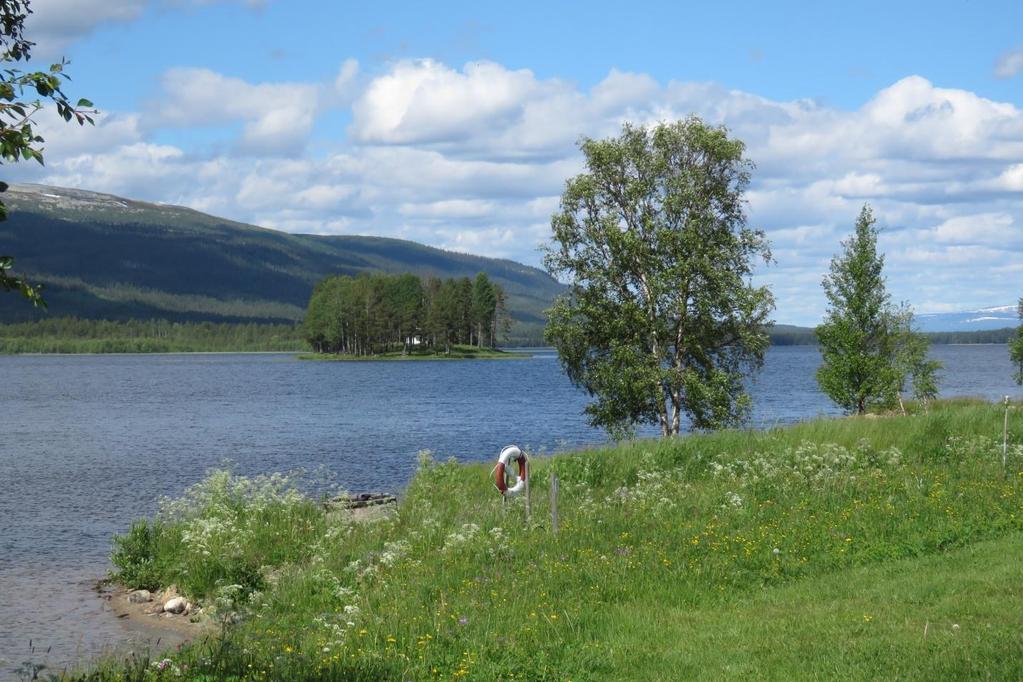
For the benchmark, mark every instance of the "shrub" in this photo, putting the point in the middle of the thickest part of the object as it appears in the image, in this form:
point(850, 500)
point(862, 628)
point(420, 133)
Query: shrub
point(134, 556)
point(226, 530)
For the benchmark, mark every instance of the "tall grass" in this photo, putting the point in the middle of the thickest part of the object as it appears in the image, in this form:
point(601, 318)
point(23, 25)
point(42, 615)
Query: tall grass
point(819, 550)
point(221, 537)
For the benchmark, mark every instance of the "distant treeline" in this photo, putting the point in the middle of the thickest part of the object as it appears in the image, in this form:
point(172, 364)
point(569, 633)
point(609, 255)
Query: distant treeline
point(983, 336)
point(73, 335)
point(784, 335)
point(805, 336)
point(371, 314)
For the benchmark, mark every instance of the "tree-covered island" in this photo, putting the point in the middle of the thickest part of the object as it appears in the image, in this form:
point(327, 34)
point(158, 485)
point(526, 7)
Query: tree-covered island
point(404, 316)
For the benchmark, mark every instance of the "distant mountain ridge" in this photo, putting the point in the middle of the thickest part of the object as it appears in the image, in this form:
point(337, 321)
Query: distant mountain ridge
point(106, 257)
point(967, 326)
point(102, 256)
point(995, 317)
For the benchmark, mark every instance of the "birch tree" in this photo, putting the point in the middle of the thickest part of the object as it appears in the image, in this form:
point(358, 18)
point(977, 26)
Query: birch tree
point(661, 320)
point(868, 346)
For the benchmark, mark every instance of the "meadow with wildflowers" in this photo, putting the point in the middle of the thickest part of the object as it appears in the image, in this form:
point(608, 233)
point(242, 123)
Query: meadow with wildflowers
point(857, 548)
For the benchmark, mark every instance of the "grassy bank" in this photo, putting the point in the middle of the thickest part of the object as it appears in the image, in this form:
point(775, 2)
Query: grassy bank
point(72, 335)
point(885, 548)
point(457, 352)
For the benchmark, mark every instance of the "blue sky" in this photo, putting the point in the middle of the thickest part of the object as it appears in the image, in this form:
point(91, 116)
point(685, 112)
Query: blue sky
point(455, 123)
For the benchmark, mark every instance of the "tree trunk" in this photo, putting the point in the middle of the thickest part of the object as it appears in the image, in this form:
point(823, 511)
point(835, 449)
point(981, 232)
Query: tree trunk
point(676, 412)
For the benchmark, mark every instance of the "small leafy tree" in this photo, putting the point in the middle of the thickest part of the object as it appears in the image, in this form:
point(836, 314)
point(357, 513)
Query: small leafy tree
point(22, 95)
point(868, 346)
point(660, 320)
point(1016, 347)
point(913, 362)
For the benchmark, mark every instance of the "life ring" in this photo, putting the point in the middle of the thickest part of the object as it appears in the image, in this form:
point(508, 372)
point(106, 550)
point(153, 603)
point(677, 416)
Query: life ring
point(503, 460)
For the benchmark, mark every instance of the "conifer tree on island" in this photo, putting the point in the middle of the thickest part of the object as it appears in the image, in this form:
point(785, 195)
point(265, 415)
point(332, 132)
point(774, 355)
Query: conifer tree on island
point(660, 319)
point(378, 313)
point(868, 345)
point(18, 140)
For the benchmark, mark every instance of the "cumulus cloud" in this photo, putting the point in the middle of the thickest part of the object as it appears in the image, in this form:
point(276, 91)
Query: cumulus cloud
point(423, 102)
point(276, 117)
point(1009, 63)
point(474, 158)
point(485, 109)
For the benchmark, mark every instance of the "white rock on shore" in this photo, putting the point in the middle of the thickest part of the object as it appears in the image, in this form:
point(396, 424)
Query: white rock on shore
point(175, 605)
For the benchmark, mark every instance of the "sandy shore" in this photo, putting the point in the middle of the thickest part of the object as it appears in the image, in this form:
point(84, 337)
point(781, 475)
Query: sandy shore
point(155, 632)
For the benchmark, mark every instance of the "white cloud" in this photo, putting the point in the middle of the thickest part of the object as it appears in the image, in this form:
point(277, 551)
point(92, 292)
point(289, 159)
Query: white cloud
point(346, 82)
point(475, 159)
point(1011, 179)
point(486, 110)
point(448, 209)
point(1009, 63)
point(277, 117)
point(55, 24)
point(982, 228)
point(64, 139)
point(422, 102)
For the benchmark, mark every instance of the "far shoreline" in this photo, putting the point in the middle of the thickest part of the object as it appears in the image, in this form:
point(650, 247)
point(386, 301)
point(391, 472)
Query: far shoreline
point(161, 352)
point(488, 354)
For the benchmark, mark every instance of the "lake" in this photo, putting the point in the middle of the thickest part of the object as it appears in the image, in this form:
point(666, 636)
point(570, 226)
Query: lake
point(90, 443)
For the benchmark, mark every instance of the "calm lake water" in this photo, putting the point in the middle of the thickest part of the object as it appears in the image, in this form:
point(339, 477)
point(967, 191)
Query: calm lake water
point(89, 443)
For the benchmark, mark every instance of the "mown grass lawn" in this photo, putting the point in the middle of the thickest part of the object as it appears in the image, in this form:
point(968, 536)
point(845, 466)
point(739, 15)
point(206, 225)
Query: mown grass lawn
point(951, 616)
point(884, 548)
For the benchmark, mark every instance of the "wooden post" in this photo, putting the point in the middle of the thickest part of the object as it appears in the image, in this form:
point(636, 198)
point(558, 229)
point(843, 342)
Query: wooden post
point(1005, 436)
point(554, 504)
point(529, 497)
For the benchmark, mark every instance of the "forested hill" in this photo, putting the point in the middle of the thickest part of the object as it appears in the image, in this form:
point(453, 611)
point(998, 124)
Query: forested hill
point(101, 256)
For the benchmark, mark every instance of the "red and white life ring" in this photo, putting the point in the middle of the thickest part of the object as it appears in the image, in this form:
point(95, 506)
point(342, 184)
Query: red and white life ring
point(503, 460)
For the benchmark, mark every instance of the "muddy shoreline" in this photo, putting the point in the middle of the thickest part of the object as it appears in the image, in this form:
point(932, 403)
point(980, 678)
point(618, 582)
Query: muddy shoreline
point(148, 633)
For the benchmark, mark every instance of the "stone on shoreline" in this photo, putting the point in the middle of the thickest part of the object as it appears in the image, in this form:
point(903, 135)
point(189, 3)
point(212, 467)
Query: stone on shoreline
point(175, 605)
point(140, 597)
point(360, 500)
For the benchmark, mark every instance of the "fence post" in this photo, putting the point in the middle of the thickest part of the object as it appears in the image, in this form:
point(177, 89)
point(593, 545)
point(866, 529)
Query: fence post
point(1005, 437)
point(554, 504)
point(529, 496)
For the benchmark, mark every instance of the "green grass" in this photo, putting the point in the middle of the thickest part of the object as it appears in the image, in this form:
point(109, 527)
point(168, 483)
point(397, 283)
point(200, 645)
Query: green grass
point(861, 623)
point(458, 352)
point(820, 551)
